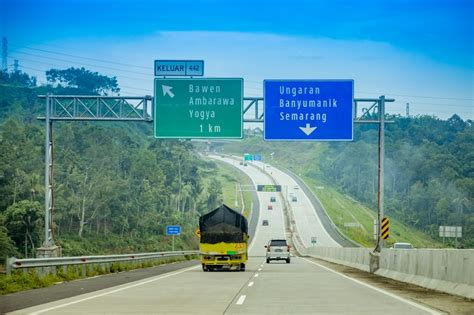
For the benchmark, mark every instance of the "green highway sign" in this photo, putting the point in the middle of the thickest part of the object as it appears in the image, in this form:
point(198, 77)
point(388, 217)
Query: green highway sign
point(269, 188)
point(198, 108)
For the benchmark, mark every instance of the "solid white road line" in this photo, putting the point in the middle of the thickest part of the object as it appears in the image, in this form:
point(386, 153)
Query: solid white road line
point(421, 307)
point(113, 291)
point(241, 300)
point(251, 284)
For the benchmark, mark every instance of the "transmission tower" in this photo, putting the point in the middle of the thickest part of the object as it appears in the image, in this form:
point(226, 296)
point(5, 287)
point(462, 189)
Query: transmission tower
point(408, 110)
point(15, 65)
point(4, 54)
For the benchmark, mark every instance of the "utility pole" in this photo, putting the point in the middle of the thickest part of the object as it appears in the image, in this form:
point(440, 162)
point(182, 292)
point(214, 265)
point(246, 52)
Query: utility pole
point(408, 110)
point(380, 189)
point(4, 54)
point(15, 65)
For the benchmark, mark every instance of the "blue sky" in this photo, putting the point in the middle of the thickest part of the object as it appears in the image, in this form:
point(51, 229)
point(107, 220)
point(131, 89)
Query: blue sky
point(432, 41)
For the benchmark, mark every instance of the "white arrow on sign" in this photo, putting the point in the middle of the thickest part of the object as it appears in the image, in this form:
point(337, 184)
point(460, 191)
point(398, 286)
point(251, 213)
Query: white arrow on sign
point(308, 129)
point(167, 90)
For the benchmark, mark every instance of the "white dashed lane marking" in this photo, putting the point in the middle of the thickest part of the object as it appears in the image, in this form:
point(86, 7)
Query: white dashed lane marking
point(241, 300)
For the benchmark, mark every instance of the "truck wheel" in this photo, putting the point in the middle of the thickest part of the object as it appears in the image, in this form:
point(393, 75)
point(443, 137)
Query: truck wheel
point(204, 268)
point(268, 261)
point(242, 267)
point(288, 260)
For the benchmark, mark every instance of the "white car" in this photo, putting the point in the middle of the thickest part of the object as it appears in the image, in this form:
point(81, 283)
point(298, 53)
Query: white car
point(278, 249)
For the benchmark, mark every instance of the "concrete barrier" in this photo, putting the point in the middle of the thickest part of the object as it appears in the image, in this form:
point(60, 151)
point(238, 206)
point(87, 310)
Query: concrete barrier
point(353, 257)
point(446, 270)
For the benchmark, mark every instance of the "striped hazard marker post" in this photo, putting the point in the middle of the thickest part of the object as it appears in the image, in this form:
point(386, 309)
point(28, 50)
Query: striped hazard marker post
point(384, 230)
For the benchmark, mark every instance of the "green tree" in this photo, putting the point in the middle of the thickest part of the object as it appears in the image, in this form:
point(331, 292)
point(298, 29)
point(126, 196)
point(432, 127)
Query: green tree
point(7, 247)
point(214, 198)
point(83, 80)
point(24, 220)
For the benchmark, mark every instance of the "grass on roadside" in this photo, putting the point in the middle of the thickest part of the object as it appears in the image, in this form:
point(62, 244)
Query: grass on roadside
point(21, 281)
point(229, 176)
point(343, 209)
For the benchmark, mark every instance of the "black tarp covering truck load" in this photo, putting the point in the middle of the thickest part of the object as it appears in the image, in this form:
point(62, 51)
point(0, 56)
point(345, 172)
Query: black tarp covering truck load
point(224, 239)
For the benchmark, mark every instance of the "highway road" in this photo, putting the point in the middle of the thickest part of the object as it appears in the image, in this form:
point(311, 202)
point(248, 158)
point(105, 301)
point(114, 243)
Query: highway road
point(307, 221)
point(302, 287)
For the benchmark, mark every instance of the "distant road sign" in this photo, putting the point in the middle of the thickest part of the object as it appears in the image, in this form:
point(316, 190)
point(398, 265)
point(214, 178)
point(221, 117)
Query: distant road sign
point(198, 108)
point(351, 224)
point(269, 188)
point(173, 230)
point(308, 110)
point(450, 231)
point(248, 157)
point(179, 68)
point(257, 157)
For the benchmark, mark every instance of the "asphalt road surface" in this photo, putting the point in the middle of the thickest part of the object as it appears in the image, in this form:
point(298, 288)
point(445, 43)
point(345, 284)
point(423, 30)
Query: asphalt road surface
point(302, 287)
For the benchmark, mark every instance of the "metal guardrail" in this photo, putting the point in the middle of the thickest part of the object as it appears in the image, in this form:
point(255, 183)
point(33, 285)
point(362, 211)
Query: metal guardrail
point(48, 263)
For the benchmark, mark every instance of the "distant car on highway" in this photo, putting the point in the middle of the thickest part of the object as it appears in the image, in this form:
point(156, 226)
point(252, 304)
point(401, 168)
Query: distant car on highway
point(265, 222)
point(241, 163)
point(296, 187)
point(272, 199)
point(245, 164)
point(278, 249)
point(294, 199)
point(270, 207)
point(402, 246)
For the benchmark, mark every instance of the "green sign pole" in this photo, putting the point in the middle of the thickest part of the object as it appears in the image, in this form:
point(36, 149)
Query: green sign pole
point(198, 108)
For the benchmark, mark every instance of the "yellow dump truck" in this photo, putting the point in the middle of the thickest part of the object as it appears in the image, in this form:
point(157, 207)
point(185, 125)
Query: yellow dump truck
point(224, 240)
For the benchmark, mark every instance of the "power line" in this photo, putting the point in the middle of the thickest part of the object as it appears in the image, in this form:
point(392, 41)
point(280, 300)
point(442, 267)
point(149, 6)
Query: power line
point(439, 104)
point(57, 65)
point(87, 58)
point(123, 76)
point(38, 70)
point(420, 96)
point(121, 86)
point(247, 82)
point(83, 64)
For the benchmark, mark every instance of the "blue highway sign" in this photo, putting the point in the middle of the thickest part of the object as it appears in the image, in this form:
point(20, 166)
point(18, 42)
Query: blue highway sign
point(179, 68)
point(257, 157)
point(308, 110)
point(173, 230)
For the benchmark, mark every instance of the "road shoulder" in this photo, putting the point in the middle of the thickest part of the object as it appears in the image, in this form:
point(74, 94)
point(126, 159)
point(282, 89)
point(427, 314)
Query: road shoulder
point(24, 299)
point(450, 304)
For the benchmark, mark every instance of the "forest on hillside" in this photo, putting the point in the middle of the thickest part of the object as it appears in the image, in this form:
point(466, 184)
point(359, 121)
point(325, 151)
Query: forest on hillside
point(115, 186)
point(429, 169)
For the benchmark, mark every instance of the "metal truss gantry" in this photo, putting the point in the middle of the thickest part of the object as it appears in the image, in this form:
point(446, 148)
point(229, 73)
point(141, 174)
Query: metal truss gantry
point(84, 108)
point(138, 108)
point(372, 111)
